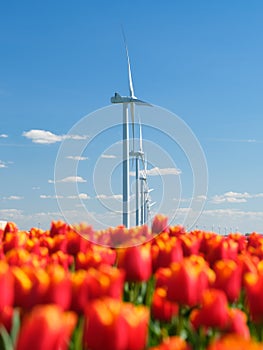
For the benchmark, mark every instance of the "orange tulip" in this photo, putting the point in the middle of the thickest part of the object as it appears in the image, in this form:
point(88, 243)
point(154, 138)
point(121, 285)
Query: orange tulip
point(235, 342)
point(46, 327)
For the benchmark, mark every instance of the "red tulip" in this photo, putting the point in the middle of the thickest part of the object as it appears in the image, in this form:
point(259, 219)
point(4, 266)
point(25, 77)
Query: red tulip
point(213, 311)
point(228, 278)
point(165, 250)
point(237, 323)
point(104, 327)
point(136, 321)
point(220, 248)
point(6, 318)
point(190, 244)
point(14, 240)
point(30, 286)
point(58, 228)
point(163, 309)
point(160, 224)
point(46, 327)
point(188, 279)
point(137, 263)
point(75, 243)
point(7, 286)
point(59, 288)
point(120, 326)
point(105, 281)
point(79, 291)
point(254, 291)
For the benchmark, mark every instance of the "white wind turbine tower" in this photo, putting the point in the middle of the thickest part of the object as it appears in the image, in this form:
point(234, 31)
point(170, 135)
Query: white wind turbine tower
point(127, 101)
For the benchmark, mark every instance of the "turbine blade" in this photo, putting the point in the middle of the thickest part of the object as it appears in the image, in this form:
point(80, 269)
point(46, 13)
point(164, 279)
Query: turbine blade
point(129, 66)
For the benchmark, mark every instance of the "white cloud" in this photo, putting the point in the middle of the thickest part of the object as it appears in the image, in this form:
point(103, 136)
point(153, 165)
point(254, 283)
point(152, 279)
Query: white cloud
point(44, 196)
point(108, 156)
point(70, 179)
point(10, 213)
point(35, 188)
point(47, 137)
point(79, 196)
point(237, 140)
point(163, 171)
point(114, 196)
point(78, 158)
point(13, 198)
point(3, 136)
point(2, 164)
point(234, 197)
point(159, 172)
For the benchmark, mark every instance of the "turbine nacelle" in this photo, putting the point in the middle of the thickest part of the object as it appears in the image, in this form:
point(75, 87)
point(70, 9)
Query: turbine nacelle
point(117, 98)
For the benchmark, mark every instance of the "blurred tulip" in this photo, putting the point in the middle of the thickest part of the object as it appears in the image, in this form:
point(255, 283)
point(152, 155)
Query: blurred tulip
point(137, 263)
point(7, 286)
point(173, 343)
point(237, 323)
point(160, 224)
point(176, 231)
point(79, 291)
point(105, 281)
point(213, 311)
point(165, 250)
point(14, 240)
point(163, 309)
point(46, 327)
point(220, 248)
point(59, 288)
point(31, 285)
point(190, 244)
point(228, 278)
point(94, 257)
point(121, 326)
point(188, 279)
point(10, 227)
point(235, 342)
point(58, 228)
point(136, 321)
point(6, 318)
point(254, 291)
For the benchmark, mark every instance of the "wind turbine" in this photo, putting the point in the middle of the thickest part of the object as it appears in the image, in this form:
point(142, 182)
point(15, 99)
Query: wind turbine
point(127, 101)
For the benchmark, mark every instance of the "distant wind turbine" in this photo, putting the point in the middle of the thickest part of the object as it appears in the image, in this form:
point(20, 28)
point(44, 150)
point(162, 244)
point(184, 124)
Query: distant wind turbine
point(126, 101)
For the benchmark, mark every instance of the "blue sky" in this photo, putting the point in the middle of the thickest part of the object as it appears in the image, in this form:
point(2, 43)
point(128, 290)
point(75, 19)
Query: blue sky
point(201, 60)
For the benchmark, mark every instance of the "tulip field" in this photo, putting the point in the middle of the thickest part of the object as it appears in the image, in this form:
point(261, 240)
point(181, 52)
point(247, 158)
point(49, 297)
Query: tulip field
point(158, 287)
